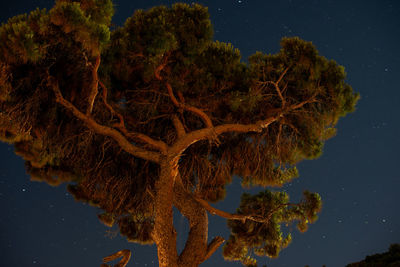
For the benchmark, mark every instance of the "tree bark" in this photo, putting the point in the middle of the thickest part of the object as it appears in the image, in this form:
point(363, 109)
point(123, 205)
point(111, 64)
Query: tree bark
point(196, 245)
point(164, 234)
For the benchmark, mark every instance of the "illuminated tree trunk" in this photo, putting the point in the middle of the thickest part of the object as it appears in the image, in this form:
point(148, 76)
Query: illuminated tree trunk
point(164, 234)
point(170, 191)
point(196, 245)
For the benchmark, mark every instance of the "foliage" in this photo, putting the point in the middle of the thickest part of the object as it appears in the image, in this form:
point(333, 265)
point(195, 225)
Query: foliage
point(264, 236)
point(154, 52)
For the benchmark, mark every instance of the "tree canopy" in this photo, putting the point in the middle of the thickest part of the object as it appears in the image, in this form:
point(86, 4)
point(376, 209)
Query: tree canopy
point(155, 114)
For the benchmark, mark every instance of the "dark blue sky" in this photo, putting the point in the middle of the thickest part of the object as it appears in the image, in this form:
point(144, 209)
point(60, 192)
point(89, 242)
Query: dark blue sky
point(357, 176)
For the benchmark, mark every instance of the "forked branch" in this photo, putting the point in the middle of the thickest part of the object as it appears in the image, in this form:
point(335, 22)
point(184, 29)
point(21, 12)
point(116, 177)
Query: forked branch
point(157, 144)
point(101, 129)
point(212, 133)
point(125, 254)
point(209, 133)
point(181, 104)
point(276, 86)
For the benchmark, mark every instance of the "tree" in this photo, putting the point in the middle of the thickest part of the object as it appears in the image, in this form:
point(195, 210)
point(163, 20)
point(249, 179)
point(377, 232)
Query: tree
point(387, 259)
point(155, 114)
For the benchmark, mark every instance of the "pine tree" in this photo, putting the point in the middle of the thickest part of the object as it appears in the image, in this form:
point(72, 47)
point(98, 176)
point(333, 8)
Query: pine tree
point(155, 114)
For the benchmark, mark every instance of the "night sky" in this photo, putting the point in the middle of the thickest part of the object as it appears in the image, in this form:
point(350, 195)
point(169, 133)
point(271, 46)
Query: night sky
point(357, 176)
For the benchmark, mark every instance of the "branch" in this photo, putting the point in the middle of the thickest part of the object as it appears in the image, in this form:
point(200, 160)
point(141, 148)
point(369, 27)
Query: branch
point(299, 105)
point(221, 213)
point(242, 217)
point(125, 254)
point(282, 75)
point(204, 117)
point(94, 86)
point(113, 112)
point(277, 88)
point(159, 145)
point(103, 130)
point(180, 129)
point(213, 246)
point(209, 133)
point(196, 243)
point(161, 66)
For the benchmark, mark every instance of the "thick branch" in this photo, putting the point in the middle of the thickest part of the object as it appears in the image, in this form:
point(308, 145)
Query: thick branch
point(196, 245)
point(180, 129)
point(242, 217)
point(208, 133)
point(221, 213)
point(103, 130)
point(159, 145)
point(213, 246)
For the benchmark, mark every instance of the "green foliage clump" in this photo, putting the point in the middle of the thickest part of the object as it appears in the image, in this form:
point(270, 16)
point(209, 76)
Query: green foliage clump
point(18, 41)
point(261, 233)
point(87, 21)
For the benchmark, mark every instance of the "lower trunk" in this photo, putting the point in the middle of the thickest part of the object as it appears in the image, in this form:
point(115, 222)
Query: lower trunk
point(170, 191)
point(196, 245)
point(164, 234)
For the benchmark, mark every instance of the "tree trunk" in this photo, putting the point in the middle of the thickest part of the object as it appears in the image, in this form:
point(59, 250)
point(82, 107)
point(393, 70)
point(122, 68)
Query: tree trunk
point(170, 191)
point(164, 233)
point(196, 245)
